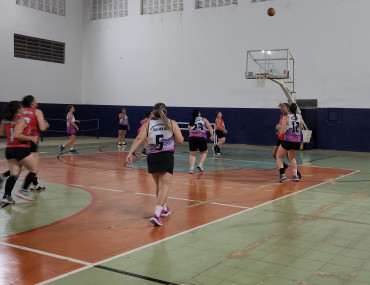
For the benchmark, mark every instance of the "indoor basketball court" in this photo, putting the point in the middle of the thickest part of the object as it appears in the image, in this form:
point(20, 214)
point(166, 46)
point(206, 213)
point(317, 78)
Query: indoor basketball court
point(99, 66)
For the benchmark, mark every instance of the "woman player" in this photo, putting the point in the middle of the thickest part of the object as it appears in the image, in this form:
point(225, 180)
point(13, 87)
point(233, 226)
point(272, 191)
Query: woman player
point(17, 152)
point(162, 134)
point(284, 108)
point(291, 127)
point(123, 127)
point(220, 133)
point(37, 124)
point(72, 128)
point(198, 139)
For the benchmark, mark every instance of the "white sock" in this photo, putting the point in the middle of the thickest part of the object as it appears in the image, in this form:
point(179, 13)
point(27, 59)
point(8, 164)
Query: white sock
point(71, 148)
point(294, 171)
point(191, 168)
point(63, 146)
point(158, 210)
point(165, 206)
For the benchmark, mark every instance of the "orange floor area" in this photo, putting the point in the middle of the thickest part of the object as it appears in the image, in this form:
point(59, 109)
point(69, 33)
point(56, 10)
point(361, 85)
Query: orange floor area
point(117, 219)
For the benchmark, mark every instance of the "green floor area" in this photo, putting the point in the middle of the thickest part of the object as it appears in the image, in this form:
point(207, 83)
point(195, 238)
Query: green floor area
point(53, 204)
point(320, 236)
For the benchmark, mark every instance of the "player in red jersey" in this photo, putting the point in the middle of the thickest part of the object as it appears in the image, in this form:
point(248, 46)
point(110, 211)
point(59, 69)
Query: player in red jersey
point(37, 123)
point(17, 152)
point(220, 133)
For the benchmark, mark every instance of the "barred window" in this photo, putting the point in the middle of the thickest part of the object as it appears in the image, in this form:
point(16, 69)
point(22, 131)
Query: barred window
point(105, 9)
point(38, 49)
point(214, 3)
point(51, 6)
point(161, 6)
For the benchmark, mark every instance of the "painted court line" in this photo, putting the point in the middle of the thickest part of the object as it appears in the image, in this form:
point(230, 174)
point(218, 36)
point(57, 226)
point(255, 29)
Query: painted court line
point(46, 253)
point(98, 264)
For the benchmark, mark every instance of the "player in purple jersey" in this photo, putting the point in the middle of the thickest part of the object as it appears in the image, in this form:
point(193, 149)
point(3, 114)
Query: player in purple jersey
point(198, 139)
point(291, 126)
point(162, 134)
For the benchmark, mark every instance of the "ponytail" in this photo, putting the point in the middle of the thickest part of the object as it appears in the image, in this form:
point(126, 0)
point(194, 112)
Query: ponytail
point(194, 115)
point(69, 107)
point(160, 111)
point(293, 109)
point(11, 109)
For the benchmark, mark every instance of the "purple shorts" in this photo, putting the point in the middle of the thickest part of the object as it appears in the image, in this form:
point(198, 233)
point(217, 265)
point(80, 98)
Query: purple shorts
point(71, 130)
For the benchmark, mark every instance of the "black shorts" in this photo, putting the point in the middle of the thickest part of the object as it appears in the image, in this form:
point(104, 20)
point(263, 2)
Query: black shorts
point(34, 147)
point(278, 142)
point(220, 134)
point(17, 153)
point(160, 162)
point(122, 127)
point(287, 145)
point(196, 143)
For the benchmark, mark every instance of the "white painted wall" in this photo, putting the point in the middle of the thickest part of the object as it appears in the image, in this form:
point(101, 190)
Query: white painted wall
point(197, 57)
point(48, 82)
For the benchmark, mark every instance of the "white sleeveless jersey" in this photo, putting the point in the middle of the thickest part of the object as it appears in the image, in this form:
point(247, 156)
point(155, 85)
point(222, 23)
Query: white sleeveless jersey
point(199, 128)
point(293, 132)
point(73, 119)
point(159, 138)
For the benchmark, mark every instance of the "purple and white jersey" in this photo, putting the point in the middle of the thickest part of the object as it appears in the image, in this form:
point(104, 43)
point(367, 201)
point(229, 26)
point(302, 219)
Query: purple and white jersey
point(293, 132)
point(73, 120)
point(123, 121)
point(198, 129)
point(159, 138)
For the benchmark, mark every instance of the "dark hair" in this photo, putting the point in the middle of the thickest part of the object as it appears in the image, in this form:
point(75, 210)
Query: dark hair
point(160, 111)
point(27, 101)
point(11, 109)
point(286, 104)
point(69, 107)
point(147, 114)
point(217, 112)
point(293, 109)
point(194, 114)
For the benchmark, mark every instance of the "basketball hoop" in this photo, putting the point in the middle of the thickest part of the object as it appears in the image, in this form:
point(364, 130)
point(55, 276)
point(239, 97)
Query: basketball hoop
point(261, 79)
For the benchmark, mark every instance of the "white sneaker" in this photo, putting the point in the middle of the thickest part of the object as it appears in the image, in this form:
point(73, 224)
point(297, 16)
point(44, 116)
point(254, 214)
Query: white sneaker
point(25, 194)
point(200, 167)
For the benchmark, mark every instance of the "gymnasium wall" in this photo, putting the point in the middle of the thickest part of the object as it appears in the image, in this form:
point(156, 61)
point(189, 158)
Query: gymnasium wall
point(49, 82)
point(197, 57)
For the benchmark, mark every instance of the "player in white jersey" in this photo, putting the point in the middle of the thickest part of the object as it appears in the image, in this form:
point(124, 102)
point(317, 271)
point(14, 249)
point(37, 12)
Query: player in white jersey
point(291, 126)
point(198, 139)
point(72, 128)
point(162, 134)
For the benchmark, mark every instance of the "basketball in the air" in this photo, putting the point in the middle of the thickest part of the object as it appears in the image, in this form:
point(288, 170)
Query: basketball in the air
point(271, 12)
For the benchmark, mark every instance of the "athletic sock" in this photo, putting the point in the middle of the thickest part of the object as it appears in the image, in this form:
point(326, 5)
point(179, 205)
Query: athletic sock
point(9, 184)
point(29, 178)
point(35, 182)
point(158, 210)
point(165, 206)
point(294, 171)
point(282, 170)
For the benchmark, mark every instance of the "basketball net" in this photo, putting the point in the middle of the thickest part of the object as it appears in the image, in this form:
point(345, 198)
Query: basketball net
point(261, 79)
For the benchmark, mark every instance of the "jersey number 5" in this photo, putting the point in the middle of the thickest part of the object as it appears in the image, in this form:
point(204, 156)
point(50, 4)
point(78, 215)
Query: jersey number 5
point(159, 142)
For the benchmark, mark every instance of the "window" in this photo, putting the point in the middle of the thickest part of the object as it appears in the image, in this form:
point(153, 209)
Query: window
point(51, 6)
point(161, 6)
point(105, 9)
point(38, 49)
point(214, 3)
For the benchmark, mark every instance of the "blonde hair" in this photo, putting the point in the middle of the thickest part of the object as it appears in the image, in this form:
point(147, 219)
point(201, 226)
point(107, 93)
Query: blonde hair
point(160, 111)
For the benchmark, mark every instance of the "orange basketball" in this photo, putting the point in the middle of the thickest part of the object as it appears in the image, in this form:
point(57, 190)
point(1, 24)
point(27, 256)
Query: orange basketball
point(271, 12)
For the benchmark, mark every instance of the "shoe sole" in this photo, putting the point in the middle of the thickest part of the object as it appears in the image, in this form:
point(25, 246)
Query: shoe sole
point(24, 198)
point(155, 222)
point(281, 180)
point(200, 169)
point(6, 202)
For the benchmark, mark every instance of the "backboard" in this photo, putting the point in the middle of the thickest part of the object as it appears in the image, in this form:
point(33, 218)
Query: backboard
point(277, 63)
